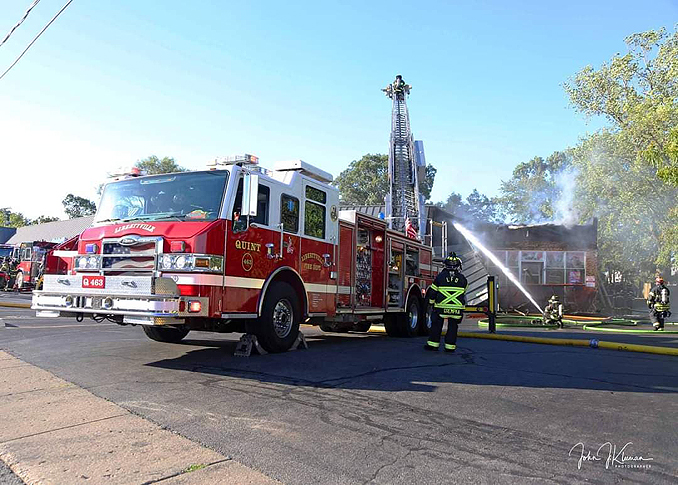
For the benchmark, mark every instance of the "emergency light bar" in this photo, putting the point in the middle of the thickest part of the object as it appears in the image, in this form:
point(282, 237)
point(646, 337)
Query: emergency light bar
point(124, 172)
point(245, 158)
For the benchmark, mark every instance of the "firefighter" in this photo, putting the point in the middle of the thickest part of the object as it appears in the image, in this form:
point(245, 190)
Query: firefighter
point(552, 313)
point(447, 296)
point(658, 303)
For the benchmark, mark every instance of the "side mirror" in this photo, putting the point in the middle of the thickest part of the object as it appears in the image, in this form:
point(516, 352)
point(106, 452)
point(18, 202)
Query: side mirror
point(250, 193)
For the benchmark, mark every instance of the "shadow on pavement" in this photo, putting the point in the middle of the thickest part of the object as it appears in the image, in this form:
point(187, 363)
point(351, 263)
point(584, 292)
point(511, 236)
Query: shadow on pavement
point(375, 362)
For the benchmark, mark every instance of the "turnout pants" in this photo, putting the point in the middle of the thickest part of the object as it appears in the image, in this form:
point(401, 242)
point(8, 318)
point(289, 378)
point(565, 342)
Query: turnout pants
point(657, 318)
point(437, 329)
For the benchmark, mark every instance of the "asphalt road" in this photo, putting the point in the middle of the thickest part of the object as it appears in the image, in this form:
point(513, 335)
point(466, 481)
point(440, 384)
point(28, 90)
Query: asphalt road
point(361, 408)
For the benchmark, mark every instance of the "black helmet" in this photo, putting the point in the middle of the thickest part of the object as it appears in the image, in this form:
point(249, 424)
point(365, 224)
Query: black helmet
point(452, 262)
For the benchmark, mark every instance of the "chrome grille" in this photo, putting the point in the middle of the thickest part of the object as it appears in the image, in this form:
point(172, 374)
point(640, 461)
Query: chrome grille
point(130, 254)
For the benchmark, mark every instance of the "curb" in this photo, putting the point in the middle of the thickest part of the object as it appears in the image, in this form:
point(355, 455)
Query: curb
point(10, 304)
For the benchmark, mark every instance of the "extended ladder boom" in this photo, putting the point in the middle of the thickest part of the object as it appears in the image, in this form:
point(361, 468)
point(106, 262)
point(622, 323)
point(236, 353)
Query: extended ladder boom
point(406, 165)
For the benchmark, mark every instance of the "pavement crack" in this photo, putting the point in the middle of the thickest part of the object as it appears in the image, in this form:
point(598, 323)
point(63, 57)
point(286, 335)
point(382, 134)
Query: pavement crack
point(183, 472)
point(63, 427)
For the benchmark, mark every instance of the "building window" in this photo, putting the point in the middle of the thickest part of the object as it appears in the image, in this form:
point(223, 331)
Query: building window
point(575, 267)
point(289, 213)
point(555, 268)
point(532, 267)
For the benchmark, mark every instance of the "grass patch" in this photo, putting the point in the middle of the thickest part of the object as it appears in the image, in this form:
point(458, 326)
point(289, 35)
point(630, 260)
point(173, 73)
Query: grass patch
point(194, 468)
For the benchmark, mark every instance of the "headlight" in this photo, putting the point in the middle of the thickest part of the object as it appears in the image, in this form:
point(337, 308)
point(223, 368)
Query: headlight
point(191, 262)
point(166, 262)
point(181, 262)
point(85, 263)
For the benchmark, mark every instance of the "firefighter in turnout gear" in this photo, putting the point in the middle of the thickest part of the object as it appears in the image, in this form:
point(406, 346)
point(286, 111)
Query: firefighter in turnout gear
point(447, 296)
point(658, 303)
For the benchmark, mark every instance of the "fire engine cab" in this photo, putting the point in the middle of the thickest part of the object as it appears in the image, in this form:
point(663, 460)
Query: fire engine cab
point(238, 248)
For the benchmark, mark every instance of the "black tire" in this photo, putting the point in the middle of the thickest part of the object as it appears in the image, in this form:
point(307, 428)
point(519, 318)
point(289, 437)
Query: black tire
point(362, 326)
point(278, 327)
point(406, 324)
point(168, 335)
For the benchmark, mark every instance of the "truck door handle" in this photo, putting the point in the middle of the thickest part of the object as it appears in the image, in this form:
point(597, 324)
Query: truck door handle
point(327, 262)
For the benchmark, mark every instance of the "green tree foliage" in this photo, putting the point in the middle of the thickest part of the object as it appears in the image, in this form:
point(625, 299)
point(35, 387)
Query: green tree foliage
point(44, 219)
point(476, 208)
point(365, 181)
point(154, 165)
point(638, 93)
point(629, 171)
point(530, 194)
point(76, 206)
point(636, 211)
point(13, 219)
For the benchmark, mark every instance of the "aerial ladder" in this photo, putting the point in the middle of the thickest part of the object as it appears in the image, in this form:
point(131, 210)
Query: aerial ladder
point(406, 165)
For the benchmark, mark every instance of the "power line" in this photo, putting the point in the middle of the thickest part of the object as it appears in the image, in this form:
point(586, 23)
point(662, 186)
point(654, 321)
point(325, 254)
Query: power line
point(36, 38)
point(35, 2)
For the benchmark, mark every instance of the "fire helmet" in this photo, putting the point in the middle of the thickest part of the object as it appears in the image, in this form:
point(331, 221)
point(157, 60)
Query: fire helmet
point(452, 262)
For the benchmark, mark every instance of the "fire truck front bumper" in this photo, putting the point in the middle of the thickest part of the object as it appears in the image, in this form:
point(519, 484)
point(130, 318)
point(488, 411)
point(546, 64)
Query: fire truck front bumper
point(138, 300)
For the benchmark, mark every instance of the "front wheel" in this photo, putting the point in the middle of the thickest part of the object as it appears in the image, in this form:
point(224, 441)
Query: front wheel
point(405, 324)
point(165, 334)
point(278, 327)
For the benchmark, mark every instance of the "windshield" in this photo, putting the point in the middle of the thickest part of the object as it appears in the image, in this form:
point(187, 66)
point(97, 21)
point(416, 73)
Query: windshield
point(6, 251)
point(175, 196)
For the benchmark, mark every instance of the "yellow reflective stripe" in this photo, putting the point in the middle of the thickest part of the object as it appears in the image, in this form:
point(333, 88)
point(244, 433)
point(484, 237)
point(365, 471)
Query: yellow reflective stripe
point(433, 344)
point(434, 287)
point(450, 346)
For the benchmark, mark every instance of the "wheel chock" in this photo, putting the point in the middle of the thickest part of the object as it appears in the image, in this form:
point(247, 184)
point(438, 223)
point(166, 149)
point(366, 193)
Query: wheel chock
point(245, 345)
point(300, 342)
point(249, 342)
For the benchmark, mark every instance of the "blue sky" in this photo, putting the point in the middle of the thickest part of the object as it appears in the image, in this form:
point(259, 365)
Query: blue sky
point(111, 82)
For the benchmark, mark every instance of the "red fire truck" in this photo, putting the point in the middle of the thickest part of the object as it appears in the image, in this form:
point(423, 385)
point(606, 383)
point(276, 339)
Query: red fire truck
point(31, 255)
point(240, 248)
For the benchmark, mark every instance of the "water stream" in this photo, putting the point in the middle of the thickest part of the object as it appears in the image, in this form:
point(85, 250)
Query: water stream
point(474, 240)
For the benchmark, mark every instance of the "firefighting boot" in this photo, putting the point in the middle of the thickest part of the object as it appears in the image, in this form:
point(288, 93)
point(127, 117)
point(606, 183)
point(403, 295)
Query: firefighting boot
point(433, 346)
point(450, 347)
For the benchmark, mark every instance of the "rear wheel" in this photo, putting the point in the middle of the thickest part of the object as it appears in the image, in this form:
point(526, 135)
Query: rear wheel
point(169, 335)
point(425, 327)
point(278, 327)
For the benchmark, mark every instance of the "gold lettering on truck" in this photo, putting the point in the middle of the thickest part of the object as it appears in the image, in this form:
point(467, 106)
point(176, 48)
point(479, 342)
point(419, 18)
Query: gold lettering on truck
point(247, 245)
point(308, 261)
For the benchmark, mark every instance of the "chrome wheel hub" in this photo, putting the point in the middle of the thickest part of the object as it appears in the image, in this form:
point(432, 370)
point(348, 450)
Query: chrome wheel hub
point(283, 318)
point(413, 316)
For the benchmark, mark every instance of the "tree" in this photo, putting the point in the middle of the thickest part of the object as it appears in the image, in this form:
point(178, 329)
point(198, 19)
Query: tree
point(636, 211)
point(154, 165)
point(531, 195)
point(365, 181)
point(76, 206)
point(44, 219)
point(637, 93)
point(13, 219)
point(477, 208)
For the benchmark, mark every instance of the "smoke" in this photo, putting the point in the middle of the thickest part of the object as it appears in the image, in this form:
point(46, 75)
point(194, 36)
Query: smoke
point(564, 210)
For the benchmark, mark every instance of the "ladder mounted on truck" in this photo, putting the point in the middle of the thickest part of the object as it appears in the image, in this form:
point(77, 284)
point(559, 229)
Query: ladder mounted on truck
point(406, 165)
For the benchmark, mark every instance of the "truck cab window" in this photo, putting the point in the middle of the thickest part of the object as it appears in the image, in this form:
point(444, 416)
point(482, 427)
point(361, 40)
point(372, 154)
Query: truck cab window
point(314, 212)
point(263, 196)
point(289, 213)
